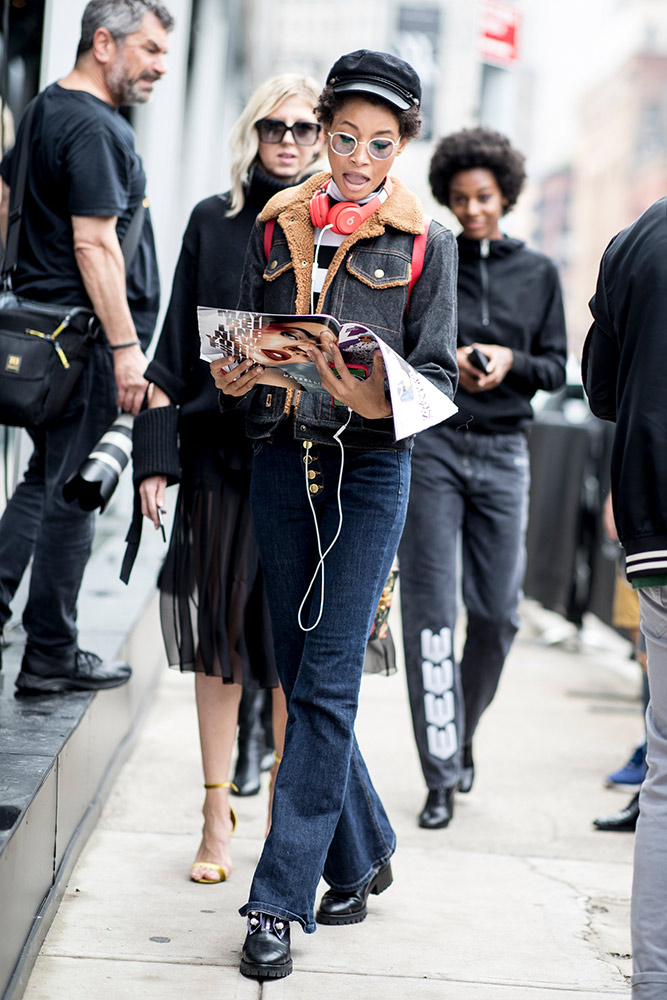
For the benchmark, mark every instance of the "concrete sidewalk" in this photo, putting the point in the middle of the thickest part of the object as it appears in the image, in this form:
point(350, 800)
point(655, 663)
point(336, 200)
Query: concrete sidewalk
point(520, 899)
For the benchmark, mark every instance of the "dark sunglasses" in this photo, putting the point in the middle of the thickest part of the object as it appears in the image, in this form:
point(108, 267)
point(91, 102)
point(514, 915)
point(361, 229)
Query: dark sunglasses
point(273, 130)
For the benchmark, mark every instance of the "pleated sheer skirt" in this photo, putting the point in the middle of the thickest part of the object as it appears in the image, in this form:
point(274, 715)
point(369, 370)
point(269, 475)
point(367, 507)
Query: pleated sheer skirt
point(213, 608)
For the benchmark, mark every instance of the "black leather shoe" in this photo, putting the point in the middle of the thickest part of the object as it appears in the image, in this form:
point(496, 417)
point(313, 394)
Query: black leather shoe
point(86, 671)
point(266, 949)
point(624, 821)
point(340, 907)
point(467, 772)
point(438, 810)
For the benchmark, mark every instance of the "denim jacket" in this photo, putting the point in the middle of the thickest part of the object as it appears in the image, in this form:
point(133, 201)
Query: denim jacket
point(367, 282)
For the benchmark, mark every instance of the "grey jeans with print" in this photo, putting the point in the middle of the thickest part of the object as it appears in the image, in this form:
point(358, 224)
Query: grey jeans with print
point(469, 493)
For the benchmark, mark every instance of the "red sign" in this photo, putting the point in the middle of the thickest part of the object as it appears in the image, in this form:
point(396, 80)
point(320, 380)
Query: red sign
point(499, 32)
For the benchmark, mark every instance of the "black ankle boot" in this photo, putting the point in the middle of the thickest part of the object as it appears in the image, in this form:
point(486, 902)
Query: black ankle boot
point(266, 949)
point(250, 743)
point(339, 907)
point(438, 809)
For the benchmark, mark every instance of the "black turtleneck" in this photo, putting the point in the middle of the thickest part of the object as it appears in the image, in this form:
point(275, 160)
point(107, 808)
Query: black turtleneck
point(208, 273)
point(509, 295)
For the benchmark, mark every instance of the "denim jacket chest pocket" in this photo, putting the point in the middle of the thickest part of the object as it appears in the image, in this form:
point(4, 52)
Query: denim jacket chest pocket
point(387, 272)
point(379, 268)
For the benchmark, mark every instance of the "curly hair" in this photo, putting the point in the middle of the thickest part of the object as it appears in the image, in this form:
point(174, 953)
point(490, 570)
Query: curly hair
point(329, 103)
point(473, 148)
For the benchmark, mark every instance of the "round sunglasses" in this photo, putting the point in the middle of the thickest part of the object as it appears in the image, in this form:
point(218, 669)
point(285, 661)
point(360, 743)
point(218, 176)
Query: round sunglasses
point(345, 145)
point(273, 130)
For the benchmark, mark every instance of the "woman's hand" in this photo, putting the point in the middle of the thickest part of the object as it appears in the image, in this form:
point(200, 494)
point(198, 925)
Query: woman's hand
point(472, 379)
point(240, 380)
point(366, 397)
point(151, 492)
point(152, 489)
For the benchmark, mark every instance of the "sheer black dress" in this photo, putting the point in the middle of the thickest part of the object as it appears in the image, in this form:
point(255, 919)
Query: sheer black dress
point(212, 604)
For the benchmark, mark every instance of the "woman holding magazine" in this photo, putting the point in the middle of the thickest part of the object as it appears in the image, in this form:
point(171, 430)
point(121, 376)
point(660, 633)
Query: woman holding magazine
point(212, 564)
point(331, 479)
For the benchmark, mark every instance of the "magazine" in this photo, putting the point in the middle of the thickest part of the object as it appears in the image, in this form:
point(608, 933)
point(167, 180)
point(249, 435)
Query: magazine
point(276, 342)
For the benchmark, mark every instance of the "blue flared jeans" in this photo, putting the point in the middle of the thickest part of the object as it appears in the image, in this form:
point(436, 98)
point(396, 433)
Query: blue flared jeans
point(327, 817)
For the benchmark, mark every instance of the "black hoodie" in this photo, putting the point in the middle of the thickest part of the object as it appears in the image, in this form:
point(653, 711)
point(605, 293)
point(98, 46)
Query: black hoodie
point(625, 376)
point(509, 295)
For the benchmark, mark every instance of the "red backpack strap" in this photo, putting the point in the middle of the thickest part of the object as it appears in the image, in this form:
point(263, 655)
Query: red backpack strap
point(417, 263)
point(268, 236)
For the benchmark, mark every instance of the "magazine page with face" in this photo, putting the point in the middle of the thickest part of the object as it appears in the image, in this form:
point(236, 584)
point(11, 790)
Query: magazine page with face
point(274, 342)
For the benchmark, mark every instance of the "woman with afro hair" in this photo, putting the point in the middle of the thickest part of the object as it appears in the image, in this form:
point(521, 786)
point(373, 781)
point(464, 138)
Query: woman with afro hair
point(470, 475)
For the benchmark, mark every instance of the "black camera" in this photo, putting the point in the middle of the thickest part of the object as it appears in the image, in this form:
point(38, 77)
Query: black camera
point(98, 476)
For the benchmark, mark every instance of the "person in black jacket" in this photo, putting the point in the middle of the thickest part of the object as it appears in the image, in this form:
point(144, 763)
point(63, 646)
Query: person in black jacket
point(625, 376)
point(471, 474)
point(212, 603)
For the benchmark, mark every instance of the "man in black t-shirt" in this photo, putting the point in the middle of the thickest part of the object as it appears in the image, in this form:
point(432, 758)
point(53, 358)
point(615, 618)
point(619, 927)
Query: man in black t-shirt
point(84, 183)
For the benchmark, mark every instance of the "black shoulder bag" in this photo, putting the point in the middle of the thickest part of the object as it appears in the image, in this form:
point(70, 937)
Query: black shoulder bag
point(43, 347)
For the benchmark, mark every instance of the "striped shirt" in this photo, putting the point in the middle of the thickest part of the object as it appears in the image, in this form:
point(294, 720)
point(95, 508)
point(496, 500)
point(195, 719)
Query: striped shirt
point(327, 242)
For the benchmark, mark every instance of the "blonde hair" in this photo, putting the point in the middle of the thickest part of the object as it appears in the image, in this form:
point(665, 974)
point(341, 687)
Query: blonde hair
point(243, 138)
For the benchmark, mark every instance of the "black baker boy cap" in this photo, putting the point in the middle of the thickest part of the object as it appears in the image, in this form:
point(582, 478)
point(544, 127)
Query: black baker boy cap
point(378, 73)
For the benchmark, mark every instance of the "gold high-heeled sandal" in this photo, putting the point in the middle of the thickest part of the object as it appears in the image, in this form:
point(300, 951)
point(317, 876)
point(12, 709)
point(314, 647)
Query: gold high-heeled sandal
point(199, 867)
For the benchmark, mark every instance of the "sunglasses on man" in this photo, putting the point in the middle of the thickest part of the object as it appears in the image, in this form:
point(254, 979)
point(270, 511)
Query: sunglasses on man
point(273, 130)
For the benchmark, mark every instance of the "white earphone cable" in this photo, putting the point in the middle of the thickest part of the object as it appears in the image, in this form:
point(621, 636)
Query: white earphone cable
point(322, 555)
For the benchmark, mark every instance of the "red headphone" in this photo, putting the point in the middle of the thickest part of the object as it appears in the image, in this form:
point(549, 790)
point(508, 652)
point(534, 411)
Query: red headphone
point(344, 216)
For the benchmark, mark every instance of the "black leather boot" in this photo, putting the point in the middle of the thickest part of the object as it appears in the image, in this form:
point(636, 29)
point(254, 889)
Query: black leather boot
point(623, 821)
point(438, 810)
point(266, 949)
point(340, 907)
point(250, 743)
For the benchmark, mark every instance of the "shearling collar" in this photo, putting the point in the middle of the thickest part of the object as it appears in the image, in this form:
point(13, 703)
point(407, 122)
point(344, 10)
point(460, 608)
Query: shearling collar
point(402, 210)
